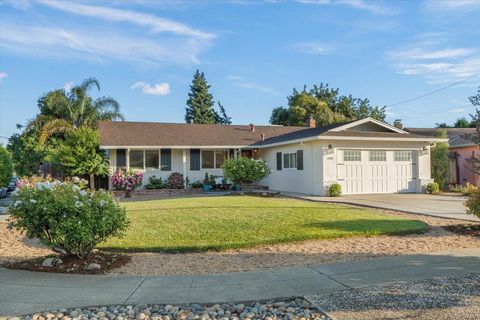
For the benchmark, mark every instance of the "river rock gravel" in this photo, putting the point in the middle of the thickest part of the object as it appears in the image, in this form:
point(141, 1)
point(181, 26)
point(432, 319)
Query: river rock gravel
point(448, 298)
point(297, 309)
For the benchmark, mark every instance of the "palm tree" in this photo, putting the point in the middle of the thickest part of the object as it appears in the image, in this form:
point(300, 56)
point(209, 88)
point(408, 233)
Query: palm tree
point(62, 111)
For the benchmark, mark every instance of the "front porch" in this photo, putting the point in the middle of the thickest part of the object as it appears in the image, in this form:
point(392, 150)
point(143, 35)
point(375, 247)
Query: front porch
point(192, 163)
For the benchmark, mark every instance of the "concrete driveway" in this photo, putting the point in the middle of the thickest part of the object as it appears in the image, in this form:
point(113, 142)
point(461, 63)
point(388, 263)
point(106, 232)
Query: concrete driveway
point(439, 206)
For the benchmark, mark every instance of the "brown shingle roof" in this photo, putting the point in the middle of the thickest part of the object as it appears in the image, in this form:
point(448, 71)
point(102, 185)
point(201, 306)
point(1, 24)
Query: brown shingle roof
point(154, 134)
point(456, 136)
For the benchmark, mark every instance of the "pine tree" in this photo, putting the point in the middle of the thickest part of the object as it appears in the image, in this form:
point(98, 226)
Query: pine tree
point(222, 117)
point(200, 102)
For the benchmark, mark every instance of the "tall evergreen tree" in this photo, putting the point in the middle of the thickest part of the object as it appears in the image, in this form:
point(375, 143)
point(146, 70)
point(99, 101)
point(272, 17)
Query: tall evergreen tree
point(200, 101)
point(222, 117)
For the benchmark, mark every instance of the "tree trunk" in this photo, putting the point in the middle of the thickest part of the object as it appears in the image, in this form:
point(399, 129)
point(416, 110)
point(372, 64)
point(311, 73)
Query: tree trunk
point(92, 182)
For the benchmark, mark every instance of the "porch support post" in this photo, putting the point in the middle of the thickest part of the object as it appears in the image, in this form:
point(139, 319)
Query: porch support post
point(184, 162)
point(128, 159)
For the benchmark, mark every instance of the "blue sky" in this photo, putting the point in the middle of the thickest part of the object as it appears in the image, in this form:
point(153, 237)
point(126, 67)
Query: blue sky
point(253, 53)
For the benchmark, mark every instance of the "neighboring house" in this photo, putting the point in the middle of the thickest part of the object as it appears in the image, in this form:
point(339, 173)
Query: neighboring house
point(364, 156)
point(463, 153)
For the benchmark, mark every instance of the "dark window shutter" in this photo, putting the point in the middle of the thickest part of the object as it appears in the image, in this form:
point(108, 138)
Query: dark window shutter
point(194, 159)
point(279, 161)
point(166, 160)
point(299, 159)
point(121, 157)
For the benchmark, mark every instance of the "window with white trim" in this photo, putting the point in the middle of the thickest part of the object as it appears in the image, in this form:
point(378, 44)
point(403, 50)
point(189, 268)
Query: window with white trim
point(136, 159)
point(378, 155)
point(213, 159)
point(352, 155)
point(151, 159)
point(290, 160)
point(403, 156)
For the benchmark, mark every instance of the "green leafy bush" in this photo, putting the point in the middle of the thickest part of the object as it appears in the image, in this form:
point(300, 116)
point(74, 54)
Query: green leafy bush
point(245, 170)
point(66, 217)
point(433, 188)
point(197, 184)
point(6, 167)
point(175, 181)
point(335, 190)
point(473, 203)
point(155, 183)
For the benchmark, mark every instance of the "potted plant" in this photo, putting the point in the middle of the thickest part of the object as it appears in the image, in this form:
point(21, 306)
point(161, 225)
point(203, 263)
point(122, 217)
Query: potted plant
point(206, 183)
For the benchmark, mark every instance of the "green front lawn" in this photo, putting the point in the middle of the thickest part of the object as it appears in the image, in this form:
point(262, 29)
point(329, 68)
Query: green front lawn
point(219, 223)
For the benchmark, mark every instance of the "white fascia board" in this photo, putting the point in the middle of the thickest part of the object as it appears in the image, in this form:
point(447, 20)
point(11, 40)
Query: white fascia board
point(362, 121)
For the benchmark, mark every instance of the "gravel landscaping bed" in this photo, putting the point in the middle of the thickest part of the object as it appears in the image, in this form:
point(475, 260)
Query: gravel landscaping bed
point(15, 247)
point(289, 310)
point(449, 298)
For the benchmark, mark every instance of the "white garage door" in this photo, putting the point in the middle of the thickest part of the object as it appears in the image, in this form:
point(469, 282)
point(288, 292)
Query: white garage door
point(376, 171)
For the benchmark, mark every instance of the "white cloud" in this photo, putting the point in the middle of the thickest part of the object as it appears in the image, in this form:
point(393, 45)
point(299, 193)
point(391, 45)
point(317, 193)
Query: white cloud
point(159, 89)
point(68, 85)
point(126, 35)
point(432, 59)
point(241, 82)
point(3, 75)
point(314, 48)
point(452, 5)
point(89, 44)
point(370, 6)
point(155, 23)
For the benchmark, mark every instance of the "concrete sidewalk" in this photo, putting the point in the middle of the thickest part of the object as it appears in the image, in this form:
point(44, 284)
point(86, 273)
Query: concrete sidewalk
point(432, 205)
point(24, 292)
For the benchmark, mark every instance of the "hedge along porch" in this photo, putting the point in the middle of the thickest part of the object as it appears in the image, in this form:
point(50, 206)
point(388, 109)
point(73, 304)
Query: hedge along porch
point(364, 156)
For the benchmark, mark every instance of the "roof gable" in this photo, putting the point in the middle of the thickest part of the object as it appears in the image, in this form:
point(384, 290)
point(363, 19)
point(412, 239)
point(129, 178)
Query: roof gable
point(368, 125)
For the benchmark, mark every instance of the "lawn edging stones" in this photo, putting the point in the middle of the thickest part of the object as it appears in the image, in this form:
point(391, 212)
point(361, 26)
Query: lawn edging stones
point(295, 309)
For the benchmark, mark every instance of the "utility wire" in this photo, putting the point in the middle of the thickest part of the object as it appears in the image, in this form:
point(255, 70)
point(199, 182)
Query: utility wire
point(433, 92)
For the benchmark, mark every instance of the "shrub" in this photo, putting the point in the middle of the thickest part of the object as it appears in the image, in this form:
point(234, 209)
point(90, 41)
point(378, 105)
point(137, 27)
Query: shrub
point(206, 180)
point(245, 170)
point(155, 183)
point(433, 188)
point(335, 190)
point(128, 181)
point(196, 184)
point(66, 217)
point(473, 203)
point(175, 181)
point(439, 160)
point(468, 189)
point(6, 167)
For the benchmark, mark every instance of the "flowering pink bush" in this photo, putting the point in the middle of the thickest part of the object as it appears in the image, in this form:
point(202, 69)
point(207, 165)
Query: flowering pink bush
point(128, 181)
point(175, 181)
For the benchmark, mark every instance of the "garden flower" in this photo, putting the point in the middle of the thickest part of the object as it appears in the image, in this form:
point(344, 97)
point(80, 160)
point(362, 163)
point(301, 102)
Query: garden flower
point(75, 188)
point(78, 204)
point(102, 203)
point(83, 193)
point(33, 201)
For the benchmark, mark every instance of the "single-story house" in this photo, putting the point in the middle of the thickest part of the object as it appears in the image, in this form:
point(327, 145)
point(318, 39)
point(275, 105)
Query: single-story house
point(363, 156)
point(464, 153)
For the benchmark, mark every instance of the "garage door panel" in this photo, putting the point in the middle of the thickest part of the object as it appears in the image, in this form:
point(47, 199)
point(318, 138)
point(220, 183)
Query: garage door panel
point(377, 174)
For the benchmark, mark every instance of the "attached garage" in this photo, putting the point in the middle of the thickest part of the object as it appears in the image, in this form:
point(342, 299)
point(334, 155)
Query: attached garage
point(376, 171)
point(365, 156)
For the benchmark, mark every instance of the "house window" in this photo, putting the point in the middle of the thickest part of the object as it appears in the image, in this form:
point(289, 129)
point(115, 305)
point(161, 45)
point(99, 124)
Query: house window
point(378, 155)
point(166, 159)
point(290, 160)
point(220, 157)
point(352, 155)
point(403, 156)
point(208, 159)
point(151, 159)
point(136, 159)
point(121, 157)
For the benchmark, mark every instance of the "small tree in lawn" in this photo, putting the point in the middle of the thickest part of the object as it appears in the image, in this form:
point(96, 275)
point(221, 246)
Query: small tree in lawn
point(79, 154)
point(6, 167)
point(439, 159)
point(242, 171)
